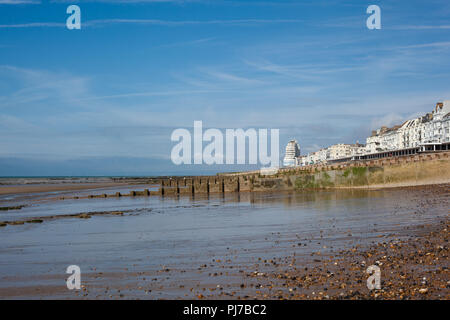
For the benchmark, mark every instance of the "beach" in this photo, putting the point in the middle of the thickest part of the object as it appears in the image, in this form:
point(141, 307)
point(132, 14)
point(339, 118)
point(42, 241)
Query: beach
point(247, 245)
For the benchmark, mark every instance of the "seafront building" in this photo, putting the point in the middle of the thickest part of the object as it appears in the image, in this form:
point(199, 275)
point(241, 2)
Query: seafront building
point(292, 154)
point(427, 133)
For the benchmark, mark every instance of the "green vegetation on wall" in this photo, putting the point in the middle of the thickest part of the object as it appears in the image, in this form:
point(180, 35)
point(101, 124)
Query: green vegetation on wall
point(306, 182)
point(402, 173)
point(314, 181)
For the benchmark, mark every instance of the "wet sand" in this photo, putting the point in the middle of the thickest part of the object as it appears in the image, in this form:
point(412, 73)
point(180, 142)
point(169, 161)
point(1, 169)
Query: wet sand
point(20, 189)
point(415, 268)
point(272, 246)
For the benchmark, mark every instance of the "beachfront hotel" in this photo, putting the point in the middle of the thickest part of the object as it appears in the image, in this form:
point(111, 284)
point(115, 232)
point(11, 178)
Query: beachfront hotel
point(427, 133)
point(292, 154)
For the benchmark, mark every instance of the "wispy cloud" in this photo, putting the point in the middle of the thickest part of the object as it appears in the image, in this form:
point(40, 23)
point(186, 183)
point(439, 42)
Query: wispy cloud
point(187, 43)
point(441, 44)
point(228, 77)
point(144, 94)
point(127, 1)
point(420, 27)
point(20, 2)
point(173, 23)
point(303, 72)
point(168, 23)
point(33, 25)
point(387, 120)
point(40, 86)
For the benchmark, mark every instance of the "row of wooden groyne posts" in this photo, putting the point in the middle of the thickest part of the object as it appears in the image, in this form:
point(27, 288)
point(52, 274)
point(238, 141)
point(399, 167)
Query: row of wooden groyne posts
point(189, 186)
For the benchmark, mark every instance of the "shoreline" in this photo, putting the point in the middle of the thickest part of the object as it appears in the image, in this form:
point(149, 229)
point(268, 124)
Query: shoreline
point(21, 189)
point(422, 170)
point(63, 188)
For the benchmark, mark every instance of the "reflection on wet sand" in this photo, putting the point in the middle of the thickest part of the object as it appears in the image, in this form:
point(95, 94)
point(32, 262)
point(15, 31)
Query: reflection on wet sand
point(201, 245)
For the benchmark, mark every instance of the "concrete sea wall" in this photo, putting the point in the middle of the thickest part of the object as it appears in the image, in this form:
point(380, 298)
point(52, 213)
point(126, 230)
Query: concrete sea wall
point(394, 172)
point(402, 171)
point(405, 171)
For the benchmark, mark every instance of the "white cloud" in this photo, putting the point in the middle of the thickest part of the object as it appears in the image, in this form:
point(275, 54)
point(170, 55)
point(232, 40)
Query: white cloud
point(173, 23)
point(421, 27)
point(231, 78)
point(40, 86)
point(168, 23)
point(33, 25)
point(441, 44)
point(388, 120)
point(20, 2)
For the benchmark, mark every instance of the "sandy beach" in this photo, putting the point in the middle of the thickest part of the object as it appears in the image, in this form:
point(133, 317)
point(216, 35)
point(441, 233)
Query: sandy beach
point(285, 245)
point(20, 189)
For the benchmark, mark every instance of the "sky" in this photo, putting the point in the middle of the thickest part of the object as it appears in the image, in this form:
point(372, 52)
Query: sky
point(105, 99)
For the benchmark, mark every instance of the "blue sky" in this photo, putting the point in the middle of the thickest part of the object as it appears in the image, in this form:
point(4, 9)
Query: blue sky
point(104, 100)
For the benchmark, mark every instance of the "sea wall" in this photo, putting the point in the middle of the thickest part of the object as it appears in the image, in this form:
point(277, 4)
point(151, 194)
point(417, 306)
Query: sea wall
point(396, 172)
point(383, 173)
point(392, 172)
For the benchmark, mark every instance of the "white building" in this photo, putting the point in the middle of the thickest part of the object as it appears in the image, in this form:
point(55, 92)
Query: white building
point(384, 139)
point(429, 133)
point(334, 152)
point(341, 151)
point(430, 129)
point(437, 129)
point(316, 157)
point(292, 154)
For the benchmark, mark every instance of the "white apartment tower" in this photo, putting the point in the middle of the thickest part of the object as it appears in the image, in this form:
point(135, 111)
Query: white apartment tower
point(292, 154)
